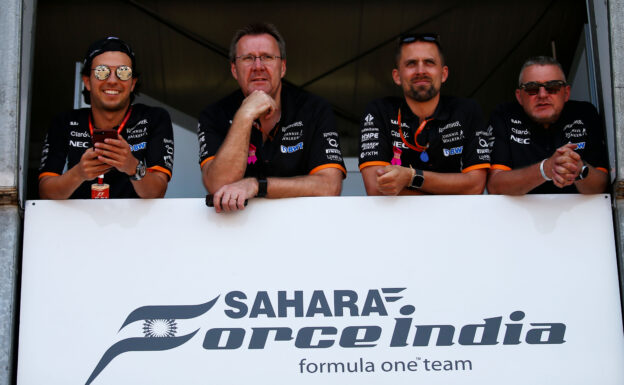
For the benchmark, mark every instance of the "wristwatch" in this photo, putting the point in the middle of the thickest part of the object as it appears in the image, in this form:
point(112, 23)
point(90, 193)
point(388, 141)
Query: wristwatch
point(417, 180)
point(140, 171)
point(262, 188)
point(584, 172)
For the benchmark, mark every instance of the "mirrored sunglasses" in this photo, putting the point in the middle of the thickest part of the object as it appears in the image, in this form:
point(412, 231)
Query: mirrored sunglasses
point(102, 72)
point(552, 87)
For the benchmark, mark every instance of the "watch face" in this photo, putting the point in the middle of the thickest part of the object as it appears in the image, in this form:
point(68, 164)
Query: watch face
point(584, 172)
point(418, 179)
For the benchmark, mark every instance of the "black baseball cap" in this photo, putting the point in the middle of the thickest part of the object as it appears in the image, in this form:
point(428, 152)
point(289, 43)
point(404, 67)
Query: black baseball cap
point(110, 43)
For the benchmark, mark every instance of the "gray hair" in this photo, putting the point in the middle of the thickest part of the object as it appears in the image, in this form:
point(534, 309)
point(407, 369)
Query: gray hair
point(255, 29)
point(540, 61)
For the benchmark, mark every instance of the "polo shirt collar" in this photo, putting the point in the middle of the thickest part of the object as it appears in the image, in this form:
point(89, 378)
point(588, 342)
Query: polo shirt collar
point(442, 111)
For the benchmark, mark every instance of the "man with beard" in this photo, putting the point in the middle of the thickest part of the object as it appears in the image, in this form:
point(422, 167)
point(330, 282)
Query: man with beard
point(423, 143)
point(128, 148)
point(546, 143)
point(267, 139)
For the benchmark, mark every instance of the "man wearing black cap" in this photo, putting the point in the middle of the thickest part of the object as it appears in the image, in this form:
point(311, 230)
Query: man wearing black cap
point(267, 139)
point(423, 143)
point(130, 147)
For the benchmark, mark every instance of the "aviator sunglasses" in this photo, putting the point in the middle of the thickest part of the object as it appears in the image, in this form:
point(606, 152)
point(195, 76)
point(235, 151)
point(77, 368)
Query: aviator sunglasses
point(552, 87)
point(102, 72)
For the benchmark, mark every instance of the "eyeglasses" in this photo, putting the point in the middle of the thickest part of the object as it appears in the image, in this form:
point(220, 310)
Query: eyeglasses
point(264, 59)
point(552, 87)
point(102, 72)
point(426, 37)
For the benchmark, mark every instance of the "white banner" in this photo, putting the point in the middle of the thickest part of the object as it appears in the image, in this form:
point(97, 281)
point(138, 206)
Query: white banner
point(359, 290)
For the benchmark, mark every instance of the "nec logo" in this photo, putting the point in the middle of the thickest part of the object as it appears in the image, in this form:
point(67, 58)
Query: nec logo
point(520, 140)
point(453, 151)
point(291, 149)
point(79, 144)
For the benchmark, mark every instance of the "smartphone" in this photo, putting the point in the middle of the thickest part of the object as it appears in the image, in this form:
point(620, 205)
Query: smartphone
point(100, 135)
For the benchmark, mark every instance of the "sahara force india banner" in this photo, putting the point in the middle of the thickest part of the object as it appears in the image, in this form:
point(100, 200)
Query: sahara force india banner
point(360, 290)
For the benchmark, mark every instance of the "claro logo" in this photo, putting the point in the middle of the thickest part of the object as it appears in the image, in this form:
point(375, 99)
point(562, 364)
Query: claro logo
point(318, 308)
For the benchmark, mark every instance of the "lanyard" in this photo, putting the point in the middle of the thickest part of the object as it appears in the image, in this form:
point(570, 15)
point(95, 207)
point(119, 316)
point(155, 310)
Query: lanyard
point(121, 126)
point(416, 146)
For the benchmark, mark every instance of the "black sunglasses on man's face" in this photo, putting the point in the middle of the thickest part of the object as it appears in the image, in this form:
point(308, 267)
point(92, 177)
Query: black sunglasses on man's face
point(533, 88)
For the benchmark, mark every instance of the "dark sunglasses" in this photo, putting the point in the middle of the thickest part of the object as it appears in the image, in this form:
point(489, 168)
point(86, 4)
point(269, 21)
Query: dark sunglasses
point(102, 72)
point(426, 37)
point(552, 87)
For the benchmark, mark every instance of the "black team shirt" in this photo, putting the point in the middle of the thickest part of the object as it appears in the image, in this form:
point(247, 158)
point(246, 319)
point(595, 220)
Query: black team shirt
point(148, 131)
point(303, 142)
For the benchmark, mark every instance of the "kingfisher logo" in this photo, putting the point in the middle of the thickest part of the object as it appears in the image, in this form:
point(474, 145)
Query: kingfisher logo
point(320, 319)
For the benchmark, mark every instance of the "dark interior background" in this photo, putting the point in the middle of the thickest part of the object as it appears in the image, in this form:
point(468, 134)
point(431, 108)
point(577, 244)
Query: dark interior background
point(340, 50)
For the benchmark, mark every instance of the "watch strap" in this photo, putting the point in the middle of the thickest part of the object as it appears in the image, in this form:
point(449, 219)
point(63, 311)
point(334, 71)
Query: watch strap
point(584, 172)
point(262, 188)
point(140, 172)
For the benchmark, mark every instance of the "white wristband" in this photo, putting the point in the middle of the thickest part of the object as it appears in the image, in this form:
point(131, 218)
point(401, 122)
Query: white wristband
point(542, 171)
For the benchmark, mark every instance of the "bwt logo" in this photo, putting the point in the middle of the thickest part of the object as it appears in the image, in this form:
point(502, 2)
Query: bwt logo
point(291, 149)
point(319, 307)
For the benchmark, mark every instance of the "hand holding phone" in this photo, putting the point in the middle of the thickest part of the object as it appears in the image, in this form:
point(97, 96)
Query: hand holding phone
point(100, 135)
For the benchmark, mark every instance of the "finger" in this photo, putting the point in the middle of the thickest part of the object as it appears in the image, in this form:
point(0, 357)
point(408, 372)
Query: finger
point(115, 142)
point(228, 202)
point(269, 111)
point(89, 154)
point(225, 201)
point(381, 171)
point(241, 202)
point(110, 161)
point(216, 199)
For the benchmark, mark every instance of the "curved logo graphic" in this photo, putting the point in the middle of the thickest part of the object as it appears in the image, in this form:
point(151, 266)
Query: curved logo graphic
point(159, 328)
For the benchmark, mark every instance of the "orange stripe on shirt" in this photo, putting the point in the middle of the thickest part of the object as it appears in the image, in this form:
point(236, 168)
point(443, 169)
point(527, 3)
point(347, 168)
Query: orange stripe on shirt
point(48, 174)
point(476, 167)
point(602, 169)
point(500, 167)
point(328, 165)
point(374, 163)
point(161, 169)
point(206, 160)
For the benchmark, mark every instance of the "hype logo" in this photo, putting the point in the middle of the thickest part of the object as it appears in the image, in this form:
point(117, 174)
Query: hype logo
point(159, 327)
